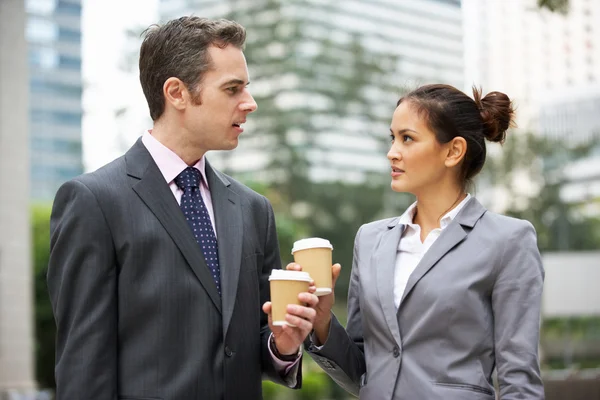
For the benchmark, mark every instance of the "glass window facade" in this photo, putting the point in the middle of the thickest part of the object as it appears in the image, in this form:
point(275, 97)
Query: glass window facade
point(54, 38)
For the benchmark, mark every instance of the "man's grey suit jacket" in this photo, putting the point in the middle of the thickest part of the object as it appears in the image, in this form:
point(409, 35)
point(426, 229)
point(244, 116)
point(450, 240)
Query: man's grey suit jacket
point(137, 311)
point(472, 304)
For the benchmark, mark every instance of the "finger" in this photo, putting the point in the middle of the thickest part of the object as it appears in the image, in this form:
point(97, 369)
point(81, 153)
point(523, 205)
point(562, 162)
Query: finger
point(267, 307)
point(310, 299)
point(335, 272)
point(300, 323)
point(293, 267)
point(312, 289)
point(306, 313)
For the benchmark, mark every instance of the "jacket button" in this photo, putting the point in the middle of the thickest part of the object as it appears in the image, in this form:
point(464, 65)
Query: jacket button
point(228, 351)
point(396, 352)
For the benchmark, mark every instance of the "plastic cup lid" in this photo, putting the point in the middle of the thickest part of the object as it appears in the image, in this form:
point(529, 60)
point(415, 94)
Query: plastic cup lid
point(311, 243)
point(284, 275)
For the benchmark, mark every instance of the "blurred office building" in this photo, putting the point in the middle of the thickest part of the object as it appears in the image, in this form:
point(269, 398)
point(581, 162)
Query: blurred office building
point(516, 47)
point(572, 115)
point(549, 64)
point(53, 33)
point(16, 321)
point(327, 75)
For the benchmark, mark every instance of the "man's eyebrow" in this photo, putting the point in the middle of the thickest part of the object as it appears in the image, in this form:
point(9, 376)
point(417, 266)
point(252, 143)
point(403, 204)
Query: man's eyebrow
point(235, 82)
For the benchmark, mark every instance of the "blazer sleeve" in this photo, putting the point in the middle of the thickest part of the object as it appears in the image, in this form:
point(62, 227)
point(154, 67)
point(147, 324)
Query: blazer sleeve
point(342, 355)
point(516, 304)
point(290, 377)
point(82, 286)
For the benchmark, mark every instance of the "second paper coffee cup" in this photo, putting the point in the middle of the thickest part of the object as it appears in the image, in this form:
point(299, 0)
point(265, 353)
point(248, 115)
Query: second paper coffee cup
point(315, 257)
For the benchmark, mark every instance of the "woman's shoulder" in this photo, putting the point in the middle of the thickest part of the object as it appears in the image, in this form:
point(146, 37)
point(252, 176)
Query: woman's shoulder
point(372, 230)
point(505, 224)
point(379, 225)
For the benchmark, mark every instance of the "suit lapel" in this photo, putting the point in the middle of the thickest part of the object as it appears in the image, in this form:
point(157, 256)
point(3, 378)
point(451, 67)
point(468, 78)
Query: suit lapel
point(151, 187)
point(384, 263)
point(450, 237)
point(228, 220)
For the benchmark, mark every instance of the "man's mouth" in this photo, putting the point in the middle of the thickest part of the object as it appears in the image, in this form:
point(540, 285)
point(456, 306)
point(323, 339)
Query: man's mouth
point(238, 124)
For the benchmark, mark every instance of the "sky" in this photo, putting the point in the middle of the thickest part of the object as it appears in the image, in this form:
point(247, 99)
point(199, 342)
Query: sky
point(106, 87)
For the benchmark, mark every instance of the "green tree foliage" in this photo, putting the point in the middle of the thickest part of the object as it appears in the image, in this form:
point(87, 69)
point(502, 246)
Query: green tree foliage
point(560, 6)
point(45, 328)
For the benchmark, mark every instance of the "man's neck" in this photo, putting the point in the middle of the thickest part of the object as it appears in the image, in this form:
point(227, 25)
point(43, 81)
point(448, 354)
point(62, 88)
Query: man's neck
point(175, 141)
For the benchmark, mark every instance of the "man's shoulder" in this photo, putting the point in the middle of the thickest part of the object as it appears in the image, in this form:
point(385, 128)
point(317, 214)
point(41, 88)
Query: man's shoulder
point(104, 177)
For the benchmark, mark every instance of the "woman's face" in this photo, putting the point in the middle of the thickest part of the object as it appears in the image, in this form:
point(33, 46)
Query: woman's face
point(417, 159)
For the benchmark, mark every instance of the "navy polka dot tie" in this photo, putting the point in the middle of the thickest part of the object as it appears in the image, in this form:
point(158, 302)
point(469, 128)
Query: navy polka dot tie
point(197, 216)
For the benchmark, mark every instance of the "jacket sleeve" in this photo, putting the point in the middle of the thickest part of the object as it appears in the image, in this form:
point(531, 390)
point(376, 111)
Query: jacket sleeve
point(516, 304)
point(342, 355)
point(290, 376)
point(82, 286)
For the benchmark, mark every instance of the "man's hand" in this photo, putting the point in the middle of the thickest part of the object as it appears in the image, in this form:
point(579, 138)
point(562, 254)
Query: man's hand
point(323, 307)
point(289, 338)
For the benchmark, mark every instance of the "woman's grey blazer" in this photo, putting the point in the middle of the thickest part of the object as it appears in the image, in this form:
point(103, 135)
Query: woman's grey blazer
point(471, 305)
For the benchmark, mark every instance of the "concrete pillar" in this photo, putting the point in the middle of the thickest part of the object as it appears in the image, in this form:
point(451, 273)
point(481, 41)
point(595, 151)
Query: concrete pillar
point(16, 294)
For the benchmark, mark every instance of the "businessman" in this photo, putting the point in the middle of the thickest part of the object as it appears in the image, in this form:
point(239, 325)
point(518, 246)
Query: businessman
point(159, 263)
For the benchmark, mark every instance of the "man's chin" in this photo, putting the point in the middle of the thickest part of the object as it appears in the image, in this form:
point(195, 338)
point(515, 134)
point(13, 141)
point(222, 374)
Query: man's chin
point(232, 144)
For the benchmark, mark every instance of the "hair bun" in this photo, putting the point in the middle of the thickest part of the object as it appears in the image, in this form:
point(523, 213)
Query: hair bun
point(496, 112)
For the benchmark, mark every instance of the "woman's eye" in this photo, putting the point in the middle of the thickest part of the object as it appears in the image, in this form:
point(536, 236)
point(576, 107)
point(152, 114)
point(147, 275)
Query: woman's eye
point(406, 138)
point(392, 137)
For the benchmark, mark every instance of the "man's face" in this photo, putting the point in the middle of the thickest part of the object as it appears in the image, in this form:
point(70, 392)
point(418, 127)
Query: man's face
point(223, 102)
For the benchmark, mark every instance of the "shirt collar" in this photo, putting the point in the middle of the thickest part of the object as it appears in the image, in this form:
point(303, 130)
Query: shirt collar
point(407, 217)
point(169, 163)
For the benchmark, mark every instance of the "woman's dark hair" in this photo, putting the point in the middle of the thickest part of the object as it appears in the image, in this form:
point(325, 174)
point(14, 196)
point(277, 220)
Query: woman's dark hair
point(449, 113)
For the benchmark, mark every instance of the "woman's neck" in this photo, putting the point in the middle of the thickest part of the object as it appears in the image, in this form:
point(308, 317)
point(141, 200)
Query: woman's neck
point(430, 209)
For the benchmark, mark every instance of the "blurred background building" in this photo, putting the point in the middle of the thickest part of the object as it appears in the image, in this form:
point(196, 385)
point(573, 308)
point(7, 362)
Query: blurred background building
point(341, 66)
point(572, 115)
point(16, 320)
point(549, 64)
point(516, 47)
point(53, 32)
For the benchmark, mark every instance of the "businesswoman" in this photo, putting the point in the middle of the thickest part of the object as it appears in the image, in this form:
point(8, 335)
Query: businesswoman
point(448, 291)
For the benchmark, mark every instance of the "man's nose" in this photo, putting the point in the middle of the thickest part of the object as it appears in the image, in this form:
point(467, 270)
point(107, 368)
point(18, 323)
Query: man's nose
point(249, 105)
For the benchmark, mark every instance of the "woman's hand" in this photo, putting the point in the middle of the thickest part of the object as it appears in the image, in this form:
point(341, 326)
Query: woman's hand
point(322, 319)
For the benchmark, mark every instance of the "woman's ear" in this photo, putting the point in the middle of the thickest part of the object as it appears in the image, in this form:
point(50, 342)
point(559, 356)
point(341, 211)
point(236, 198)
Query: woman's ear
point(456, 150)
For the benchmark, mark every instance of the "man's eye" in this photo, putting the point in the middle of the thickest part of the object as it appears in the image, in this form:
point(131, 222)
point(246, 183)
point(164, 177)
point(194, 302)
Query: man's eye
point(233, 89)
